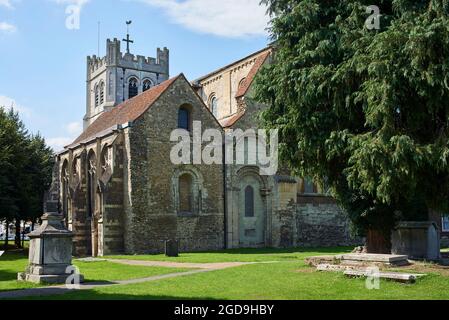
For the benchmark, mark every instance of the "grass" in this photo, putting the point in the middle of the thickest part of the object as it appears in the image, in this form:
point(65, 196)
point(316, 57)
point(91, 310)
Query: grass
point(13, 262)
point(288, 278)
point(241, 255)
point(272, 281)
point(10, 264)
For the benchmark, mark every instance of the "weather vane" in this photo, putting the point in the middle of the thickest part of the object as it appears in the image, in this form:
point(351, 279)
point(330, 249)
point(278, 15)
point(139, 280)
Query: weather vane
point(127, 40)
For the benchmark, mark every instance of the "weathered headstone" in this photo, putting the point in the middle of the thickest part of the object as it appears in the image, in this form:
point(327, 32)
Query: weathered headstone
point(171, 248)
point(418, 240)
point(50, 257)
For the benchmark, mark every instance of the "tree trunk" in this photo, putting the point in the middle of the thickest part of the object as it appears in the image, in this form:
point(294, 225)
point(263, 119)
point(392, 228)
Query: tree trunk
point(7, 235)
point(378, 241)
point(17, 239)
point(23, 234)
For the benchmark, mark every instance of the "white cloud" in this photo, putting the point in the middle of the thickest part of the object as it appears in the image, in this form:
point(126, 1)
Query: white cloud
point(74, 128)
point(79, 3)
point(230, 18)
point(7, 27)
point(6, 3)
point(58, 144)
point(9, 103)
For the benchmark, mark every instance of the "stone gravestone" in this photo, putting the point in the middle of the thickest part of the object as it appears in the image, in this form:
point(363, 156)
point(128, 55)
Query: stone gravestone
point(50, 257)
point(417, 240)
point(171, 248)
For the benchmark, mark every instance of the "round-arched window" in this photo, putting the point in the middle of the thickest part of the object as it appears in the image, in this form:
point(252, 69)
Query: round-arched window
point(213, 106)
point(184, 118)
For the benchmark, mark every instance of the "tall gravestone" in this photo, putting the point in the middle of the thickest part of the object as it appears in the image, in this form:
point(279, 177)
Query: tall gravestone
point(50, 256)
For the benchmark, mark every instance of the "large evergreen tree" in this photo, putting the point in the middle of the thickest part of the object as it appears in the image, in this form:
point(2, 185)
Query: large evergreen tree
point(367, 109)
point(25, 172)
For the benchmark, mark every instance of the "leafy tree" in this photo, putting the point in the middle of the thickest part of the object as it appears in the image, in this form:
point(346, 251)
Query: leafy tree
point(25, 172)
point(367, 109)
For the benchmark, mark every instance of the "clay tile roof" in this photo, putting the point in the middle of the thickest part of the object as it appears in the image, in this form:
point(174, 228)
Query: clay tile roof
point(252, 73)
point(125, 112)
point(230, 121)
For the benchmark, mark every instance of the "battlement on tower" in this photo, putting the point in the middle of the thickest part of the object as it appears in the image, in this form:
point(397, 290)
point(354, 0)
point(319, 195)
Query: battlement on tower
point(115, 57)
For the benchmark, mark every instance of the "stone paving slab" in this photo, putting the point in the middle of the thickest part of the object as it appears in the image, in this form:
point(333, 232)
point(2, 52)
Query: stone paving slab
point(366, 257)
point(399, 277)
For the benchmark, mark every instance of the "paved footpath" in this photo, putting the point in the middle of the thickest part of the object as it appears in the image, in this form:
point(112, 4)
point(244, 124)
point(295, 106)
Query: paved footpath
point(62, 289)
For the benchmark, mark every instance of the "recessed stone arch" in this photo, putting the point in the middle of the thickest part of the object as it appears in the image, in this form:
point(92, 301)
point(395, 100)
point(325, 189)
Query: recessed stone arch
point(196, 189)
point(251, 227)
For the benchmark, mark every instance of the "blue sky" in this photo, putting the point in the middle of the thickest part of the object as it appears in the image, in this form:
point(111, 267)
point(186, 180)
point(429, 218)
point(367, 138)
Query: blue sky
point(43, 59)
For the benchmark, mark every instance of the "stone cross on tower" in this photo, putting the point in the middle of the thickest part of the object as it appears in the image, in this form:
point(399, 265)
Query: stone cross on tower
point(127, 40)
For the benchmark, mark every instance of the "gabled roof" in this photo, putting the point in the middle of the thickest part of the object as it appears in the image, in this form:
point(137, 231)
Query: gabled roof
point(231, 120)
point(125, 112)
point(252, 74)
point(266, 49)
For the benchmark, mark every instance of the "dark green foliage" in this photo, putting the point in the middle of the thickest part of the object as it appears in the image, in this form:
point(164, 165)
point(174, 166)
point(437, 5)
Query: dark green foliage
point(25, 171)
point(368, 109)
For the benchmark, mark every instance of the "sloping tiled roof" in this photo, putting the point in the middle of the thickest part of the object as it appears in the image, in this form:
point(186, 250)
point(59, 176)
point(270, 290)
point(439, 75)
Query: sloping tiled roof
point(252, 74)
point(230, 121)
point(125, 112)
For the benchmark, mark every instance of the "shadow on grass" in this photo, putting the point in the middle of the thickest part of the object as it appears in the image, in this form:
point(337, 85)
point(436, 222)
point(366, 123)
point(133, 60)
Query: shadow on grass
point(14, 255)
point(6, 275)
point(95, 295)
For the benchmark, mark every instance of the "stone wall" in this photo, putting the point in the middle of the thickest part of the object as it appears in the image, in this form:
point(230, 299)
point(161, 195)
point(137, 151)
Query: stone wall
point(224, 85)
point(321, 223)
point(153, 215)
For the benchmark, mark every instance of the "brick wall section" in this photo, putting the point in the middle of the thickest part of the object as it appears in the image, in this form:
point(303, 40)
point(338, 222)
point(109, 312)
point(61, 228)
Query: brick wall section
point(153, 216)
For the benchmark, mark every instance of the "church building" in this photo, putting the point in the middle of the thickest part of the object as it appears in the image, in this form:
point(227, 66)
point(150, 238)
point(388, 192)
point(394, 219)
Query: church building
point(120, 192)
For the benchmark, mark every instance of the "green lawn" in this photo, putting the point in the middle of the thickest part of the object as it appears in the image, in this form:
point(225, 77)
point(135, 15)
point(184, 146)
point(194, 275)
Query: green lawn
point(242, 255)
point(12, 263)
point(288, 278)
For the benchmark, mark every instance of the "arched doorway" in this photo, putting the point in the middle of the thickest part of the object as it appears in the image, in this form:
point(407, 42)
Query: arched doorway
point(252, 212)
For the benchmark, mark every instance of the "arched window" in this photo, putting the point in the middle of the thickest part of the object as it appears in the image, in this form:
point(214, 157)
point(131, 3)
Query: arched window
point(65, 190)
point(184, 118)
point(213, 106)
point(97, 96)
point(185, 193)
point(147, 85)
point(242, 82)
point(101, 92)
point(133, 88)
point(91, 173)
point(249, 201)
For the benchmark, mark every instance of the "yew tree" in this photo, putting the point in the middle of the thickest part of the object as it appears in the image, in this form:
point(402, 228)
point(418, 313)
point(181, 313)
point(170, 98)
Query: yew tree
point(364, 108)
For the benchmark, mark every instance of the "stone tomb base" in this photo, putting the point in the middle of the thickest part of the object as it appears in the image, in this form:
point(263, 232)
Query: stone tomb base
point(54, 274)
point(375, 259)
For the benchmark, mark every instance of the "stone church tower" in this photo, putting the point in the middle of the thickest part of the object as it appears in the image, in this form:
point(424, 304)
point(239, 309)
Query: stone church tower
point(119, 76)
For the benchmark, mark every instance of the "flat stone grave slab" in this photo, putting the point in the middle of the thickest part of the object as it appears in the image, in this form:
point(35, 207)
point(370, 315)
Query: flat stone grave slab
point(388, 259)
point(394, 276)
